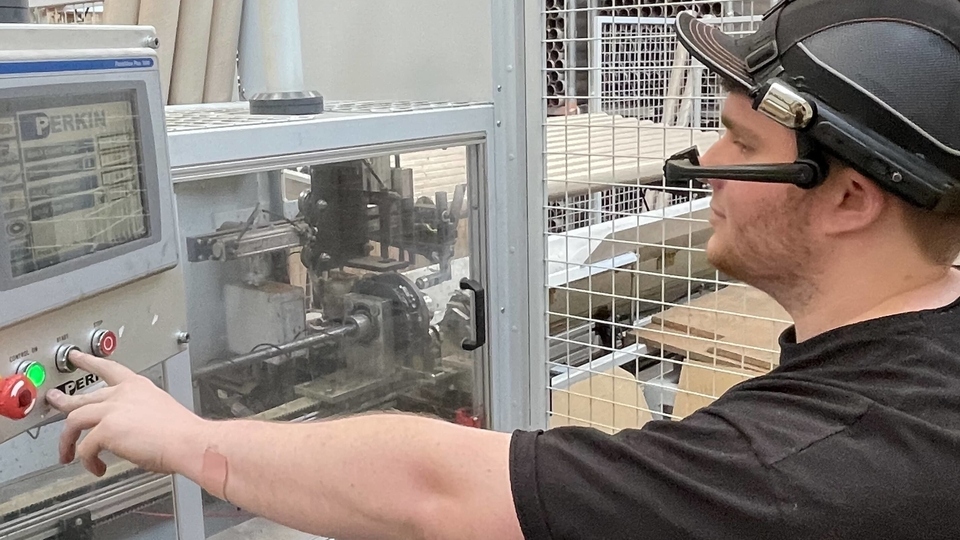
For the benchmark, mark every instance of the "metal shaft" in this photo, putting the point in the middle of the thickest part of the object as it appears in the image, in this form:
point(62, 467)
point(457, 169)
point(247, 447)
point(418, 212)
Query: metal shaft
point(354, 327)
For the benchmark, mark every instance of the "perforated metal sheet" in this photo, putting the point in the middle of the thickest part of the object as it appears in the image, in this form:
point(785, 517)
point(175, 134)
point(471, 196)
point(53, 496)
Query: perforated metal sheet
point(195, 117)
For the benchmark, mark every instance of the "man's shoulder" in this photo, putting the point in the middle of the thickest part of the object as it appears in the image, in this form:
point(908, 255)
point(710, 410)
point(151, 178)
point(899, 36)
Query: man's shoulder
point(780, 414)
point(898, 376)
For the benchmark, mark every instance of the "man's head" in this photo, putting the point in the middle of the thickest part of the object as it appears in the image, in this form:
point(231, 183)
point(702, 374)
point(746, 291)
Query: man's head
point(847, 109)
point(776, 235)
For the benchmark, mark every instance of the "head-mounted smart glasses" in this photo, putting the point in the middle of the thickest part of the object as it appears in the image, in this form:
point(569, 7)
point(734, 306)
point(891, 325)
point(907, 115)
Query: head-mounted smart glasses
point(789, 108)
point(820, 131)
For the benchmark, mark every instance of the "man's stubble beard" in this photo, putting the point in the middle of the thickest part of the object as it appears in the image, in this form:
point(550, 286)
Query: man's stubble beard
point(772, 253)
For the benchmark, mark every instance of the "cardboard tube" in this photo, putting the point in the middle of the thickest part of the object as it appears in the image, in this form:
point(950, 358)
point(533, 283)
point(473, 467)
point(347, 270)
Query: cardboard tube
point(121, 11)
point(684, 116)
point(221, 79)
point(190, 57)
point(164, 15)
point(675, 87)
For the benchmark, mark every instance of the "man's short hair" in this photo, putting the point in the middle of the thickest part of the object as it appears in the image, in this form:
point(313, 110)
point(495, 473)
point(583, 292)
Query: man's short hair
point(728, 86)
point(937, 234)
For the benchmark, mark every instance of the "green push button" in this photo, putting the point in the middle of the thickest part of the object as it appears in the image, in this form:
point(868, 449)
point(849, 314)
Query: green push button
point(35, 373)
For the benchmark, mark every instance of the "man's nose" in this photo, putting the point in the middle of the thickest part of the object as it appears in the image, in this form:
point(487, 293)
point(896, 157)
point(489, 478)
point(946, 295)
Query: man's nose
point(709, 158)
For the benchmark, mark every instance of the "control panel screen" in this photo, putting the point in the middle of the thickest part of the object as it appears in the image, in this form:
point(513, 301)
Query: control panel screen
point(71, 178)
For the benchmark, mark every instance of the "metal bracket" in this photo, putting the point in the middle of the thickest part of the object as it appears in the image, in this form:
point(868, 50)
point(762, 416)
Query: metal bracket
point(234, 244)
point(77, 527)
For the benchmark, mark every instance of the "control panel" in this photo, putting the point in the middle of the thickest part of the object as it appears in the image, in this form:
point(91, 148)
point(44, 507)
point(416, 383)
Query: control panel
point(89, 254)
point(137, 325)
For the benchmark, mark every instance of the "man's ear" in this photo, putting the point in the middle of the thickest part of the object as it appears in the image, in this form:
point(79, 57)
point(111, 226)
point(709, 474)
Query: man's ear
point(850, 201)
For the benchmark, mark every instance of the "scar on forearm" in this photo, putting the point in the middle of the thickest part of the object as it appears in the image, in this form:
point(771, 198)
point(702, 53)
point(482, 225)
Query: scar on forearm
point(213, 474)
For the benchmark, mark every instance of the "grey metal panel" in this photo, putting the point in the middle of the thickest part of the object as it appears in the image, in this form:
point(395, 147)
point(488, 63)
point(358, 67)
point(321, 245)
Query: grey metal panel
point(202, 207)
point(478, 184)
point(34, 37)
point(146, 315)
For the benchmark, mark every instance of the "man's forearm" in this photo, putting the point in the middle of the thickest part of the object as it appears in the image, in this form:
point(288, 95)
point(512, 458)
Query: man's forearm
point(376, 476)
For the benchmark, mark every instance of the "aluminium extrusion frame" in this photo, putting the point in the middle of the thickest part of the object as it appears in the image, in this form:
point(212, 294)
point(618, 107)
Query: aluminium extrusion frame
point(518, 188)
point(187, 495)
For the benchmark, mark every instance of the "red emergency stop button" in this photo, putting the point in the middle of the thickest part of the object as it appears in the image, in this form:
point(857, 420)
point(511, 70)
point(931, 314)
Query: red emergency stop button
point(104, 343)
point(17, 397)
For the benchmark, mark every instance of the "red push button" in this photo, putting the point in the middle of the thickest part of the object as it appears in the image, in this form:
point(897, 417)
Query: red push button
point(104, 343)
point(17, 397)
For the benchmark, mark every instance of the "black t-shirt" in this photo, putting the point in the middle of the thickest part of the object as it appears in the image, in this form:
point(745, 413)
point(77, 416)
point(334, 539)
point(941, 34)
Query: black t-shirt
point(855, 435)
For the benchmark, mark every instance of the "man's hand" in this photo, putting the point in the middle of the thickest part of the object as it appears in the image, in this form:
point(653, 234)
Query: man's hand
point(131, 418)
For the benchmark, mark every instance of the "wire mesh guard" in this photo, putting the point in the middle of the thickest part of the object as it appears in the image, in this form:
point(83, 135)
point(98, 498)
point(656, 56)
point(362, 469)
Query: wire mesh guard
point(641, 326)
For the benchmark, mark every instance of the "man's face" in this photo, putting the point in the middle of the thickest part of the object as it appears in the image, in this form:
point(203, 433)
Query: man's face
point(760, 230)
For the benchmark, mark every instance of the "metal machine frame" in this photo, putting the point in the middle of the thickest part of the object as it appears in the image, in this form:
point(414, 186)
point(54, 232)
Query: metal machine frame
point(503, 141)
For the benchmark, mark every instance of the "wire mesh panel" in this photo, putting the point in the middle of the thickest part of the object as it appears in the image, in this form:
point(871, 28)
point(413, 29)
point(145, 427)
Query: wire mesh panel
point(641, 326)
point(637, 69)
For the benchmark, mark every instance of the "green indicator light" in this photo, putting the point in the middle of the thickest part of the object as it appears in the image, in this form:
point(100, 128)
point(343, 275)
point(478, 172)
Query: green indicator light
point(37, 374)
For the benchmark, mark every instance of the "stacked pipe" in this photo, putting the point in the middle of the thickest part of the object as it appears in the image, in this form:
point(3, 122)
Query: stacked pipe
point(656, 8)
point(640, 75)
point(556, 58)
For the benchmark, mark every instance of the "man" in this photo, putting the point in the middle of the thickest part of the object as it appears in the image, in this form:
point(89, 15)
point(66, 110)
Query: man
point(835, 191)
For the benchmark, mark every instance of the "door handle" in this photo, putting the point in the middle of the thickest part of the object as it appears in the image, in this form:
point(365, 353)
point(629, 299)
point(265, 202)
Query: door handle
point(479, 314)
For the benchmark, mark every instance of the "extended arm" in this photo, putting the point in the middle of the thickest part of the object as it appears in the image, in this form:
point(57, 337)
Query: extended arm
point(373, 476)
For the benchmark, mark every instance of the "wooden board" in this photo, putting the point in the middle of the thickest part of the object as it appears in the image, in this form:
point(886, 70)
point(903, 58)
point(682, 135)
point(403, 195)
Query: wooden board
point(608, 401)
point(691, 347)
point(726, 337)
point(588, 152)
point(700, 384)
point(585, 153)
point(739, 324)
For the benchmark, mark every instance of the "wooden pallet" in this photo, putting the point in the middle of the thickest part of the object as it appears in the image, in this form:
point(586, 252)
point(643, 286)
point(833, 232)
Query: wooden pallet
point(725, 337)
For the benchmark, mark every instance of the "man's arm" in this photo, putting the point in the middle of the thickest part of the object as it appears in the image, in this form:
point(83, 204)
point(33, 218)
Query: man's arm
point(374, 476)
